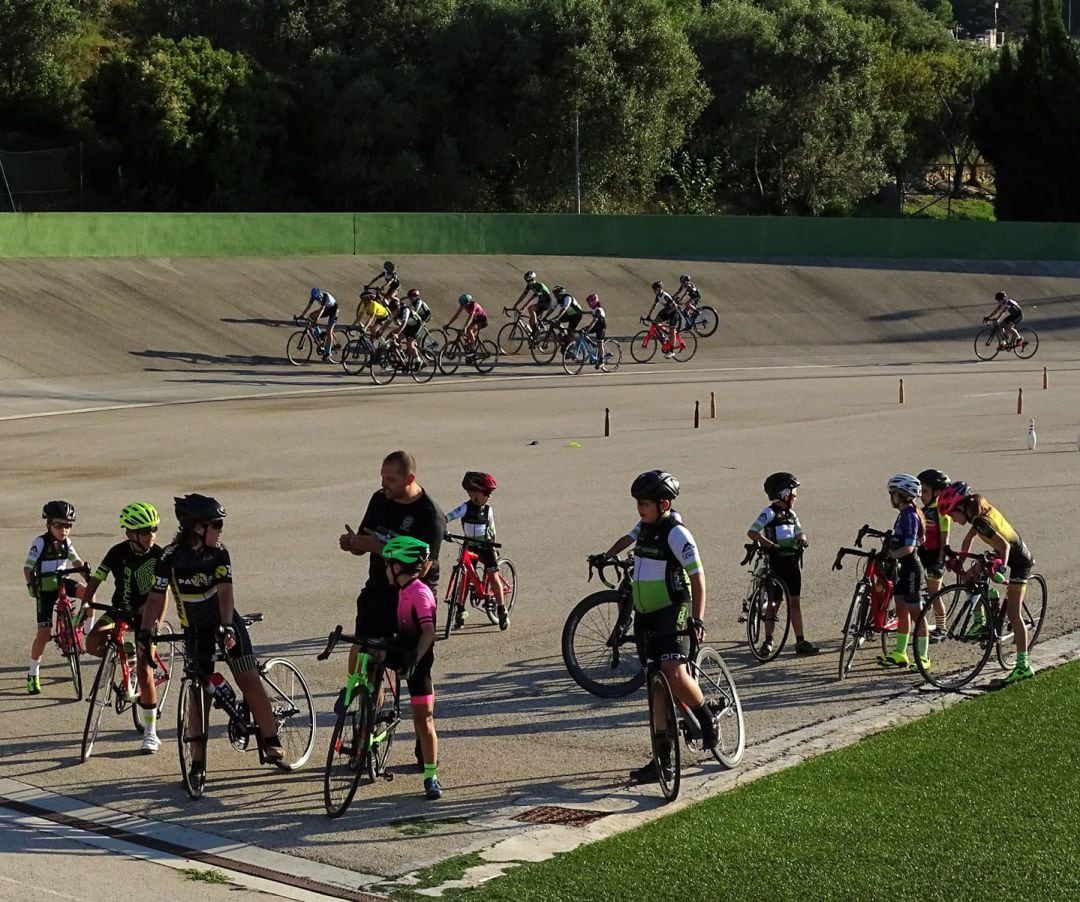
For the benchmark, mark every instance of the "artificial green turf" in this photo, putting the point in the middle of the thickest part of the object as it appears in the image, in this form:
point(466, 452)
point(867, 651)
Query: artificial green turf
point(980, 802)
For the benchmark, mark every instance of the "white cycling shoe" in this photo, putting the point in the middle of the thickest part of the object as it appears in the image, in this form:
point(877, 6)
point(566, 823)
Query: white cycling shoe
point(150, 744)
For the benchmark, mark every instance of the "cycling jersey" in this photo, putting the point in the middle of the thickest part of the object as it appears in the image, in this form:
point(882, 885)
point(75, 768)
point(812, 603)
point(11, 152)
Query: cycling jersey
point(569, 304)
point(598, 326)
point(329, 301)
point(991, 524)
point(477, 520)
point(542, 294)
point(193, 575)
point(780, 527)
point(665, 554)
point(416, 609)
point(908, 529)
point(374, 307)
point(133, 572)
point(45, 557)
point(937, 524)
point(420, 308)
point(476, 310)
point(391, 282)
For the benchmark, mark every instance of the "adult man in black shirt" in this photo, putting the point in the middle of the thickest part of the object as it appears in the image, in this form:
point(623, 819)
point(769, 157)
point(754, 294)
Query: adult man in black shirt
point(400, 508)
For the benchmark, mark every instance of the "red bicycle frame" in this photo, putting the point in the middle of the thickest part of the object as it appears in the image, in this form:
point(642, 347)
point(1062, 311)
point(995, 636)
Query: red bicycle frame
point(466, 565)
point(659, 332)
point(66, 634)
point(159, 670)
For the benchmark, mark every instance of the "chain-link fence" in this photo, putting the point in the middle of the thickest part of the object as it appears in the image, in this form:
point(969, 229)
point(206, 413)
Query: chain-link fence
point(82, 176)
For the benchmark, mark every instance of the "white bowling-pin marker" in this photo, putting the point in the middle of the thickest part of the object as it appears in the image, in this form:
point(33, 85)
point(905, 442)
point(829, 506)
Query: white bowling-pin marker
point(1032, 439)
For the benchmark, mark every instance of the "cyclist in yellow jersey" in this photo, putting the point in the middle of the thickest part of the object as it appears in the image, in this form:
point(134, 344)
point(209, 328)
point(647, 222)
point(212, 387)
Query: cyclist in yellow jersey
point(377, 315)
point(967, 507)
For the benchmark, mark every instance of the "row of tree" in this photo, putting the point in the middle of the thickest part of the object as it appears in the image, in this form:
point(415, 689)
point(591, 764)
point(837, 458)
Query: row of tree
point(774, 106)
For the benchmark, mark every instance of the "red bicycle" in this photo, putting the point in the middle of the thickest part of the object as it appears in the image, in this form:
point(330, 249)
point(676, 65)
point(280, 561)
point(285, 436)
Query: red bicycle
point(66, 633)
point(682, 345)
point(121, 694)
point(871, 610)
point(466, 585)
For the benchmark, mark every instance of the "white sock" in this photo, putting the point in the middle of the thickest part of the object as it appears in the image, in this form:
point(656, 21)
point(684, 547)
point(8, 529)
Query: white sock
point(88, 624)
point(35, 667)
point(148, 716)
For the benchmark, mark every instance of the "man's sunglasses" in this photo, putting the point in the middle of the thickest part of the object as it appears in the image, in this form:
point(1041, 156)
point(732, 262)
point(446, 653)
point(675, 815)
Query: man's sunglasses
point(145, 531)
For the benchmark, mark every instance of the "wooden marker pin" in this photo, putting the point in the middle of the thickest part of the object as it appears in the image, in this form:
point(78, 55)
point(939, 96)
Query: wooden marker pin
point(1020, 400)
point(1044, 379)
point(712, 405)
point(901, 391)
point(607, 422)
point(697, 414)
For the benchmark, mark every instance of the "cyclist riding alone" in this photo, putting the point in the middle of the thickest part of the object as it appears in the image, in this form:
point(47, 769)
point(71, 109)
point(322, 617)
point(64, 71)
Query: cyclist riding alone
point(598, 327)
point(967, 507)
point(540, 296)
point(668, 591)
point(567, 311)
point(687, 294)
point(668, 318)
point(908, 534)
point(478, 522)
point(132, 564)
point(778, 530)
point(475, 320)
point(1007, 314)
point(936, 545)
point(390, 282)
point(327, 306)
point(51, 551)
point(378, 316)
point(198, 569)
point(412, 651)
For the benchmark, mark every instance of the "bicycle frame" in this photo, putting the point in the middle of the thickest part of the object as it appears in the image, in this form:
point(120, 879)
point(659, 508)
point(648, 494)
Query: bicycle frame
point(879, 600)
point(672, 339)
point(620, 633)
point(586, 344)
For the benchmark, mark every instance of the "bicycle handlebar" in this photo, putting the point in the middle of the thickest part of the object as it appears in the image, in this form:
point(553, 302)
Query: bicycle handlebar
point(855, 552)
point(338, 634)
point(468, 540)
point(868, 530)
point(598, 563)
point(752, 548)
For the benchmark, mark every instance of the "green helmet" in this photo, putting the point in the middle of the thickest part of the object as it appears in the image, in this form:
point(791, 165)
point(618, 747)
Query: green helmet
point(139, 516)
point(406, 549)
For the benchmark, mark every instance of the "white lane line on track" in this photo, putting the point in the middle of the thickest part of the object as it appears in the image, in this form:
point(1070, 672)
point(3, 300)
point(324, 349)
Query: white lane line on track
point(35, 888)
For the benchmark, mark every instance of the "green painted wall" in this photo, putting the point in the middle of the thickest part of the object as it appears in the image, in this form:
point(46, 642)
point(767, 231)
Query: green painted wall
point(273, 234)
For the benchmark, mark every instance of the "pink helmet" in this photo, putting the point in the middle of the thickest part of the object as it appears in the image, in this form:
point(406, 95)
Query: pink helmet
point(951, 497)
point(478, 482)
point(593, 300)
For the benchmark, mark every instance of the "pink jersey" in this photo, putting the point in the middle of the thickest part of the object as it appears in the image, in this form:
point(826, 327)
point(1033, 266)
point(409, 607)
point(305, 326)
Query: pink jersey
point(476, 309)
point(415, 609)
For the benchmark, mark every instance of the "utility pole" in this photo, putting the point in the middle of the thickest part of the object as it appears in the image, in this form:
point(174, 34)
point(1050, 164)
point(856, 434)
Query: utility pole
point(577, 159)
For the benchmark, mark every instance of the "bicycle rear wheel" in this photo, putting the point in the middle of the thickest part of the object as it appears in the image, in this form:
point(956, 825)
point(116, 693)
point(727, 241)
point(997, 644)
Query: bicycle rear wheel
point(771, 603)
point(100, 700)
point(485, 356)
point(594, 646)
point(856, 626)
point(986, 343)
point(665, 741)
point(1033, 611)
point(705, 321)
point(964, 650)
point(1027, 346)
point(612, 356)
point(345, 759)
point(639, 350)
point(192, 726)
point(689, 349)
point(355, 358)
point(433, 342)
point(722, 700)
point(508, 575)
point(294, 711)
point(299, 348)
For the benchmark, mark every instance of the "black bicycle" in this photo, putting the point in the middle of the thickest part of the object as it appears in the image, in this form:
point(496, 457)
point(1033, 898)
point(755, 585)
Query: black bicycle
point(872, 610)
point(289, 698)
point(767, 602)
point(994, 338)
point(483, 355)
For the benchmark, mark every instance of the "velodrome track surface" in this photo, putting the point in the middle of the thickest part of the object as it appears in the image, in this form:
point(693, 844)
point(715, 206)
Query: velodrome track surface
point(805, 374)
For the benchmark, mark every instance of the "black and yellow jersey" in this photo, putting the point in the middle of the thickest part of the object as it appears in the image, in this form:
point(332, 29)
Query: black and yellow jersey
point(990, 524)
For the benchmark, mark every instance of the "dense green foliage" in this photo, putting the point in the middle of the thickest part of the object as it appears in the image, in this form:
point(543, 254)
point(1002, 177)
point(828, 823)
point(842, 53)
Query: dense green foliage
point(773, 106)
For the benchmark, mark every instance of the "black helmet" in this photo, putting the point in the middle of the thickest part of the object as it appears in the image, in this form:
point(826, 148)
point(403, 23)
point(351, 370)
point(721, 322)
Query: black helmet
point(195, 508)
point(655, 485)
point(1000, 296)
point(778, 483)
point(58, 510)
point(934, 478)
point(388, 266)
point(558, 290)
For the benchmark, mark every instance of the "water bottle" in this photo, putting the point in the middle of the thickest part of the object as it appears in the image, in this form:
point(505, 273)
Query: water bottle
point(993, 593)
point(129, 648)
point(221, 690)
point(999, 574)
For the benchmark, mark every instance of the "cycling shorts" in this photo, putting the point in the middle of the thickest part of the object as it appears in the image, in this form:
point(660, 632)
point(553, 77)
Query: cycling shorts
point(1020, 569)
point(909, 579)
point(480, 322)
point(931, 560)
point(46, 602)
point(572, 320)
point(598, 329)
point(330, 314)
point(653, 633)
point(672, 318)
point(786, 566)
point(419, 681)
point(486, 554)
point(412, 329)
point(201, 640)
point(1015, 317)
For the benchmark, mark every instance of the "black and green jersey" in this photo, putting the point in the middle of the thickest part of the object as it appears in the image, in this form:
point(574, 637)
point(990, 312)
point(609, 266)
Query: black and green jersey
point(781, 527)
point(133, 573)
point(665, 555)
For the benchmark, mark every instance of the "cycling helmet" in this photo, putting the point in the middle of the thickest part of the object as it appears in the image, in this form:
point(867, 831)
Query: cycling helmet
point(952, 496)
point(529, 277)
point(464, 299)
point(406, 550)
point(558, 291)
point(58, 510)
point(194, 508)
point(657, 286)
point(655, 485)
point(368, 295)
point(388, 266)
point(139, 515)
point(684, 278)
point(778, 486)
point(474, 481)
point(414, 293)
point(593, 300)
point(1000, 296)
point(905, 484)
point(934, 478)
point(316, 294)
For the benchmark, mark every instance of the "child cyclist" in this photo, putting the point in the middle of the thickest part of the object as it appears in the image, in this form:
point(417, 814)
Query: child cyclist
point(132, 564)
point(413, 650)
point(934, 548)
point(687, 295)
point(1007, 313)
point(378, 315)
point(390, 282)
point(967, 507)
point(668, 592)
point(668, 319)
point(598, 327)
point(778, 530)
point(49, 552)
point(909, 532)
point(475, 319)
point(478, 522)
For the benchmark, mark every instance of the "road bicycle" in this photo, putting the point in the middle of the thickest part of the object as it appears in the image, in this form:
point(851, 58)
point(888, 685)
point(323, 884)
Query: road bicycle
point(681, 343)
point(356, 355)
point(65, 631)
point(483, 356)
point(584, 349)
point(289, 698)
point(301, 345)
point(699, 318)
point(598, 647)
point(392, 357)
point(678, 722)
point(977, 624)
point(120, 692)
point(993, 339)
point(369, 713)
point(467, 586)
point(767, 601)
point(552, 338)
point(516, 334)
point(871, 610)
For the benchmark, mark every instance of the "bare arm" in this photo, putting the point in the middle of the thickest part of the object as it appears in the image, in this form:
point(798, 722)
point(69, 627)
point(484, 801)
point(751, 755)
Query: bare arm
point(620, 546)
point(697, 594)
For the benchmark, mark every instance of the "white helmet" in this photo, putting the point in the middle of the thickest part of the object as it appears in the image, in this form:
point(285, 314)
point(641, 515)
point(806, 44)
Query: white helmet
point(906, 485)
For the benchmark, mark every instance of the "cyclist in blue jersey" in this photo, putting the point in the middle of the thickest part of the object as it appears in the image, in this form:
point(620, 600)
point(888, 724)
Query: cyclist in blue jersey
point(326, 305)
point(909, 533)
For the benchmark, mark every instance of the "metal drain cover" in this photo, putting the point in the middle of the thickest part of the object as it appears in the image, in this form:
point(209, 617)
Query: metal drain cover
point(554, 814)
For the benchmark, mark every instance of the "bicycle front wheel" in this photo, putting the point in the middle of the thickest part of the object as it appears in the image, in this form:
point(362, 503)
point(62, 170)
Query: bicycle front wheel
point(299, 348)
point(595, 648)
point(485, 356)
point(986, 343)
point(1028, 344)
point(449, 358)
point(612, 356)
point(355, 358)
point(1033, 611)
point(706, 321)
point(722, 700)
point(69, 642)
point(770, 607)
point(643, 348)
point(385, 725)
point(345, 757)
point(100, 700)
point(451, 602)
point(192, 726)
point(962, 653)
point(510, 339)
point(294, 711)
point(507, 575)
point(665, 739)
point(383, 366)
point(856, 626)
